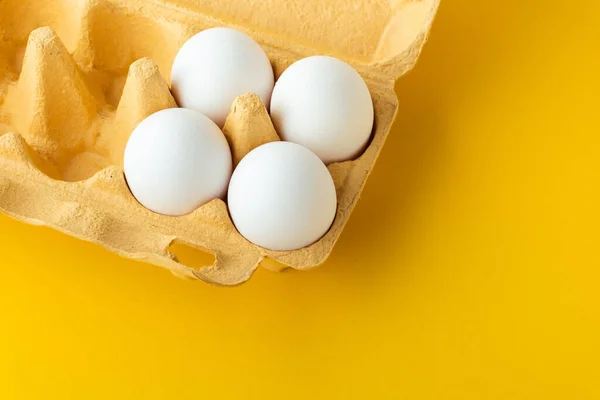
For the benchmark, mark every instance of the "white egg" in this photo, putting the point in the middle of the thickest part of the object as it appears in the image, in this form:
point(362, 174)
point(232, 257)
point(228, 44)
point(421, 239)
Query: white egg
point(282, 197)
point(322, 103)
point(177, 160)
point(217, 65)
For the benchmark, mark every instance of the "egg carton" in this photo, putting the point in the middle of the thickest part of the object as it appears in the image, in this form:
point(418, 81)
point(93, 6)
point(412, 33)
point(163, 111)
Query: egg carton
point(77, 76)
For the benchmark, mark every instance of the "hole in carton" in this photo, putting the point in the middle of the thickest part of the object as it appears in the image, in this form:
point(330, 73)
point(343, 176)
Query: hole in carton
point(191, 256)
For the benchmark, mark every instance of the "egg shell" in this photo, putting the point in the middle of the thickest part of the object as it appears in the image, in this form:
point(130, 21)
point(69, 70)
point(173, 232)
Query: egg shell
point(177, 160)
point(322, 103)
point(282, 197)
point(217, 65)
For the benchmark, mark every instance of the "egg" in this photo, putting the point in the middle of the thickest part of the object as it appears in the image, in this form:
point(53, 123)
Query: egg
point(217, 65)
point(282, 197)
point(322, 103)
point(177, 160)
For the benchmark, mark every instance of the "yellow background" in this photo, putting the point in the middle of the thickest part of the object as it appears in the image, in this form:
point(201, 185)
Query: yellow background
point(470, 269)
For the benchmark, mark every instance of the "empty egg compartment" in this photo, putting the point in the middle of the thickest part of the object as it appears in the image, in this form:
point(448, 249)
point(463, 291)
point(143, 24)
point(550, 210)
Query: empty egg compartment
point(76, 79)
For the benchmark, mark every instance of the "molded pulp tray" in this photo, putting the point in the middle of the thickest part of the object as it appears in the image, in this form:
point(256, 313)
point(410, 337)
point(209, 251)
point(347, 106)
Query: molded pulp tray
point(75, 80)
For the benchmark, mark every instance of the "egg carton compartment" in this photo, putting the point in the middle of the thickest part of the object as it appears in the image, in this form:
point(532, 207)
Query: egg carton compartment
point(77, 77)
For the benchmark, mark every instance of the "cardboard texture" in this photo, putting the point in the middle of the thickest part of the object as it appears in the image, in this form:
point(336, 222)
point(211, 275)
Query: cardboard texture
point(76, 78)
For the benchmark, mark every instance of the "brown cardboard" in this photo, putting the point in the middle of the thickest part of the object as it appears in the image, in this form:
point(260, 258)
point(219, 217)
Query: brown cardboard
point(75, 80)
point(247, 126)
